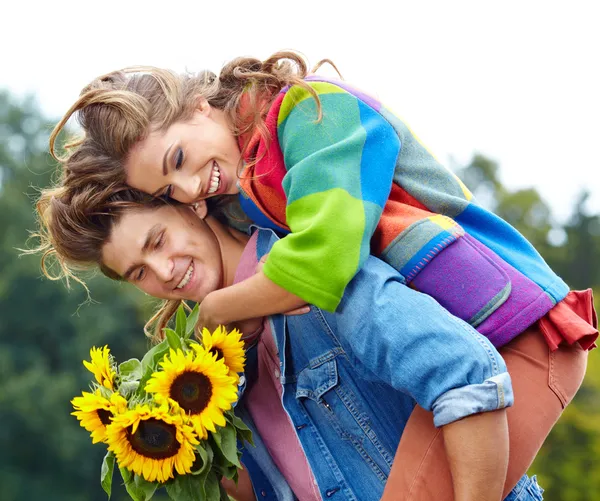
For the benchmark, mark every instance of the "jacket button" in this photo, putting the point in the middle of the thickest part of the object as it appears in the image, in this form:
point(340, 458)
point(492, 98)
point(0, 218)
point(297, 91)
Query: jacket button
point(263, 494)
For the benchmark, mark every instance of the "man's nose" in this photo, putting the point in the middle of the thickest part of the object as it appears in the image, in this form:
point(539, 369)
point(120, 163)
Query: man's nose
point(163, 267)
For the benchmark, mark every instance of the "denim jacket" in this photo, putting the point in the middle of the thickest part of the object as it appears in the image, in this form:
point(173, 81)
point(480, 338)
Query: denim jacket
point(351, 379)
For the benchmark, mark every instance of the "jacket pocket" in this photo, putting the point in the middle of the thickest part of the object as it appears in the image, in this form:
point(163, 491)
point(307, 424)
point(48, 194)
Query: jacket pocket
point(336, 406)
point(469, 283)
point(318, 378)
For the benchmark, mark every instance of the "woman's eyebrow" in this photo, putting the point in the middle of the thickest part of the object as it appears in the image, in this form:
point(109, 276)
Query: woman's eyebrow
point(165, 166)
point(150, 237)
point(165, 170)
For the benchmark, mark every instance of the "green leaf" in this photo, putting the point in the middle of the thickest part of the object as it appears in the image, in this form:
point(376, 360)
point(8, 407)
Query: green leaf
point(150, 363)
point(131, 370)
point(212, 487)
point(187, 488)
point(173, 339)
point(128, 388)
point(226, 440)
point(129, 484)
point(191, 322)
point(138, 488)
point(106, 472)
point(206, 455)
point(147, 488)
point(180, 322)
point(154, 356)
point(242, 430)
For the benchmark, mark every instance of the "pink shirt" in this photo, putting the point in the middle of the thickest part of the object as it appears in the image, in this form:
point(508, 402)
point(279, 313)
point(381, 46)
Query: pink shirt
point(263, 401)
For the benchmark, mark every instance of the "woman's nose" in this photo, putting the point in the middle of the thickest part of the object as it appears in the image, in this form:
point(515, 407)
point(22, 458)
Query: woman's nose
point(187, 190)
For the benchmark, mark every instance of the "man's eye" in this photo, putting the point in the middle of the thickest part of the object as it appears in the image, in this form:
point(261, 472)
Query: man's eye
point(168, 191)
point(159, 241)
point(141, 273)
point(178, 158)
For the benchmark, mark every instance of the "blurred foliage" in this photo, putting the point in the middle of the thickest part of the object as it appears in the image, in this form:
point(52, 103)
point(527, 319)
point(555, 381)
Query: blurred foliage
point(45, 333)
point(46, 330)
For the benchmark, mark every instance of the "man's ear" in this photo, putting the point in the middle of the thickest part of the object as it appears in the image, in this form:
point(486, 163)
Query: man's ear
point(200, 208)
point(202, 106)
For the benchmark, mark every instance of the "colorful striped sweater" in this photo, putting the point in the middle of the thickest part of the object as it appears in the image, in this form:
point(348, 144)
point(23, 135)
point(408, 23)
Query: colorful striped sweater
point(360, 182)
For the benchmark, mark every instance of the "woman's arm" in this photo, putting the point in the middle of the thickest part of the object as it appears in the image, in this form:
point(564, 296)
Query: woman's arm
point(410, 342)
point(477, 450)
point(254, 297)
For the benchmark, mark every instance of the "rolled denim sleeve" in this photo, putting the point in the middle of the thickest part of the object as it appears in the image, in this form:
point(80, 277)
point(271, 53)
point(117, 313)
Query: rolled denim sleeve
point(407, 340)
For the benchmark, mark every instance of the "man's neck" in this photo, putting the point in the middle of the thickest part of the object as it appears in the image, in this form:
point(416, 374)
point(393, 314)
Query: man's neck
point(232, 244)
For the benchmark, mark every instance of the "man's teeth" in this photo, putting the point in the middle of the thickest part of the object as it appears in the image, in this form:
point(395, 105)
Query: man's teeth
point(186, 277)
point(215, 179)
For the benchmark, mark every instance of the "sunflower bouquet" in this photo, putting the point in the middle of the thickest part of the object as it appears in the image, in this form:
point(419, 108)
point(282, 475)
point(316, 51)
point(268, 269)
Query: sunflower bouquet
point(167, 419)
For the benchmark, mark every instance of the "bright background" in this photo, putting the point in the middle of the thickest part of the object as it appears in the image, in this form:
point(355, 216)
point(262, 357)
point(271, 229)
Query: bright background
point(516, 80)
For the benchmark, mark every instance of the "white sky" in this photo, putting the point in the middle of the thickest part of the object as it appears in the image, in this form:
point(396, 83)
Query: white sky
point(518, 81)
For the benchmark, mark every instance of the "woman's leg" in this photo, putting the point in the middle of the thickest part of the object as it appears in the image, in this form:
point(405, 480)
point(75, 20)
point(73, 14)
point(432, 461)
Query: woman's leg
point(544, 383)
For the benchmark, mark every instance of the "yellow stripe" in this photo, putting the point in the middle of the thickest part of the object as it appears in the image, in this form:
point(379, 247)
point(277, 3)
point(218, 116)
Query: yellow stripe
point(296, 94)
point(444, 221)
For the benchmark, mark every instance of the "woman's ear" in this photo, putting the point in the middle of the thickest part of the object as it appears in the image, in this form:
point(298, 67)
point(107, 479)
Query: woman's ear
point(200, 209)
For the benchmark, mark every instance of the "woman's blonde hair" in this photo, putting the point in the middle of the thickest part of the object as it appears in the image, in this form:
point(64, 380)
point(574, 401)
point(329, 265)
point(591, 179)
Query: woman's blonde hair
point(119, 109)
point(115, 112)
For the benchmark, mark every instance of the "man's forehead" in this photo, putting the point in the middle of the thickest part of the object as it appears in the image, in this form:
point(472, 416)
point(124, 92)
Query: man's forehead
point(129, 234)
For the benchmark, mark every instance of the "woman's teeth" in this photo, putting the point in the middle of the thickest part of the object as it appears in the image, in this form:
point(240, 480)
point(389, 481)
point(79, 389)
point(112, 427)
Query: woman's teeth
point(215, 179)
point(186, 277)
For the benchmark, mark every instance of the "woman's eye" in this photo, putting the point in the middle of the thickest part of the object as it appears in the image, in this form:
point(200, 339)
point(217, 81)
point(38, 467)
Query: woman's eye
point(178, 158)
point(168, 192)
point(140, 274)
point(159, 241)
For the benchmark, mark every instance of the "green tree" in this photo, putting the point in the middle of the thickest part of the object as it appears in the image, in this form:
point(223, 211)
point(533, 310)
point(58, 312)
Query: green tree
point(45, 333)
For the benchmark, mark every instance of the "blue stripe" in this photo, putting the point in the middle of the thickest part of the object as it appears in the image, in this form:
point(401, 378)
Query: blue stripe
point(379, 155)
point(256, 215)
point(443, 238)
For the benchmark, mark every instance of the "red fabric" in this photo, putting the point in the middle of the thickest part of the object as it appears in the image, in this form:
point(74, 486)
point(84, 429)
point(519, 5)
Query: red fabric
point(572, 320)
point(262, 181)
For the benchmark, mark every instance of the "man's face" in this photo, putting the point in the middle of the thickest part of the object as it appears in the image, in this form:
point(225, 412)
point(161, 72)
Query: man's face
point(168, 252)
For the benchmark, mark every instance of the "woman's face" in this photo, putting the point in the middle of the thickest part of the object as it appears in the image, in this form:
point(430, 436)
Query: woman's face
point(167, 252)
point(189, 161)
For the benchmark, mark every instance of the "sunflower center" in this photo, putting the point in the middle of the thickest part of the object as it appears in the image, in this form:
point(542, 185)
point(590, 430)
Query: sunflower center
point(218, 352)
point(104, 416)
point(192, 391)
point(154, 439)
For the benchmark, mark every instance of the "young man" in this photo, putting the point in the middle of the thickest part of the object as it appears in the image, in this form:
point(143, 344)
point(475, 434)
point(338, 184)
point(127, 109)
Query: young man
point(328, 395)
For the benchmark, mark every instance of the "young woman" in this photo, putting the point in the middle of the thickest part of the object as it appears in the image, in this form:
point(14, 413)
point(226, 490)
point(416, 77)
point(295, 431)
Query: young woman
point(342, 176)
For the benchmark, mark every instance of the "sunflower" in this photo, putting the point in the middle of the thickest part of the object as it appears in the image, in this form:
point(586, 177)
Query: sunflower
point(95, 412)
point(199, 383)
point(229, 347)
point(152, 440)
point(101, 366)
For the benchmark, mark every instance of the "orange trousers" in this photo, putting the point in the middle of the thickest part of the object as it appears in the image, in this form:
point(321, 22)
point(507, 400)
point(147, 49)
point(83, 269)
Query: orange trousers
point(544, 382)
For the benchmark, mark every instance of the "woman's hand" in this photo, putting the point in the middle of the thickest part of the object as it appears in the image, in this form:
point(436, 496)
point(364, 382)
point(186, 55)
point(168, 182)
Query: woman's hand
point(208, 315)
